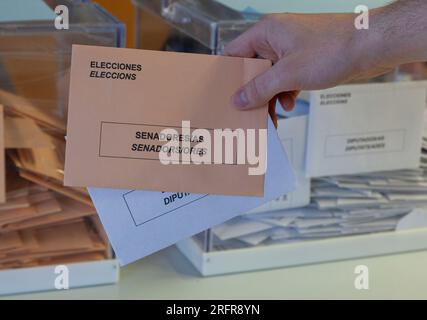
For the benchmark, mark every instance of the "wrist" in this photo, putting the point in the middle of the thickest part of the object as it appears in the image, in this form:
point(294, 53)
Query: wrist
point(397, 35)
point(369, 51)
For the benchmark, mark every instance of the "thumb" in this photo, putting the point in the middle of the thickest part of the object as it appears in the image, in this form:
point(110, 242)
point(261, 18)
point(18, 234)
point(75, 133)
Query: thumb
point(259, 91)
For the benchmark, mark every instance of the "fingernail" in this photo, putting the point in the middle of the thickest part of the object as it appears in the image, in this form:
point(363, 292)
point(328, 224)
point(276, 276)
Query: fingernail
point(288, 104)
point(240, 99)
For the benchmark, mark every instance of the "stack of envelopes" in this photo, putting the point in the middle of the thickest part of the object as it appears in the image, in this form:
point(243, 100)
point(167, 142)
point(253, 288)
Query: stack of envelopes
point(58, 244)
point(334, 211)
point(41, 221)
point(340, 206)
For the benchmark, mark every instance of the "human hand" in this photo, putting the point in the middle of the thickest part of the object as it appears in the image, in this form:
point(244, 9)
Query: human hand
point(309, 52)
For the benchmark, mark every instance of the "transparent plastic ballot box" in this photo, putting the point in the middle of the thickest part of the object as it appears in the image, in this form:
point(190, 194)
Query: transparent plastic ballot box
point(345, 217)
point(206, 27)
point(35, 59)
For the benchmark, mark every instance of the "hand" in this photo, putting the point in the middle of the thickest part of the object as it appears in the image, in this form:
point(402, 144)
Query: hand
point(309, 52)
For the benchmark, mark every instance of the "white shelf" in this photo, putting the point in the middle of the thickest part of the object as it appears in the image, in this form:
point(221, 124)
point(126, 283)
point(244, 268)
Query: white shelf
point(301, 253)
point(25, 280)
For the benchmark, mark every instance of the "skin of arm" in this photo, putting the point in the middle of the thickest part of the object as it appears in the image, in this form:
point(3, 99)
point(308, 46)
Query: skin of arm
point(319, 51)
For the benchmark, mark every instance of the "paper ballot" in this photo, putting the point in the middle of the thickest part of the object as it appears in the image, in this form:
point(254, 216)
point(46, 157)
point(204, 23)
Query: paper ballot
point(139, 223)
point(130, 110)
point(359, 128)
point(292, 134)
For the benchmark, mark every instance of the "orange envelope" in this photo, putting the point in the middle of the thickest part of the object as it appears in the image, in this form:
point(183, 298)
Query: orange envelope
point(121, 98)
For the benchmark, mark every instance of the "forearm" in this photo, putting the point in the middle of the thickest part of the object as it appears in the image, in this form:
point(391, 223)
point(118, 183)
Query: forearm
point(318, 51)
point(397, 34)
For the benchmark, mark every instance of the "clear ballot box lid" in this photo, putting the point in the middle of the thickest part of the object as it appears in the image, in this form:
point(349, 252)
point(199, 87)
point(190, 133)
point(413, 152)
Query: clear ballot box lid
point(38, 16)
point(35, 56)
point(215, 22)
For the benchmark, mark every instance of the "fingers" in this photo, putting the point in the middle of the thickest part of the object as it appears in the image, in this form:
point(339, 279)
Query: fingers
point(288, 99)
point(269, 86)
point(243, 46)
point(272, 111)
point(240, 48)
point(259, 91)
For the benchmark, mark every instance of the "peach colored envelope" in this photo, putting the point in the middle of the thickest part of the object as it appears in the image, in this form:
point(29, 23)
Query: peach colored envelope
point(154, 90)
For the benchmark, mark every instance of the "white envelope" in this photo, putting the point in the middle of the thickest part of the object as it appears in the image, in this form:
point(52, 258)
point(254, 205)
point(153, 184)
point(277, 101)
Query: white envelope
point(292, 134)
point(365, 128)
point(417, 218)
point(139, 223)
point(239, 227)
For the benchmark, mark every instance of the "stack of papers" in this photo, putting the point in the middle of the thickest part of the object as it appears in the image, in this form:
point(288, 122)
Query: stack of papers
point(34, 140)
point(41, 221)
point(340, 206)
point(59, 244)
point(307, 223)
point(311, 223)
point(30, 205)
